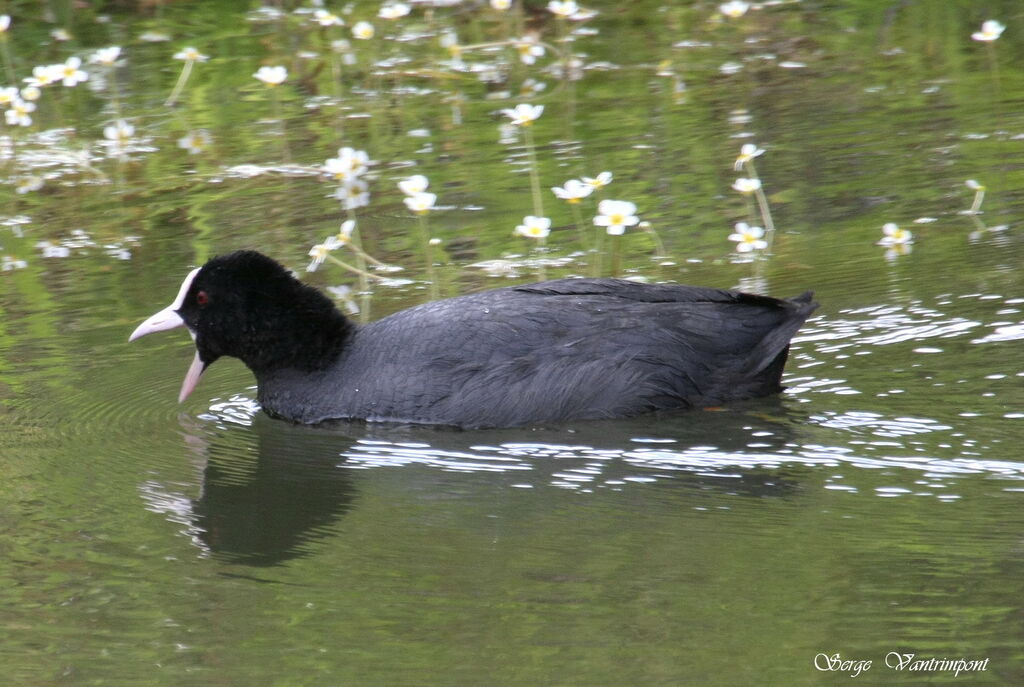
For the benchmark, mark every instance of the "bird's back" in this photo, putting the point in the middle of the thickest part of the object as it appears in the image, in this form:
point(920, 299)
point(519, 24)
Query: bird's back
point(560, 350)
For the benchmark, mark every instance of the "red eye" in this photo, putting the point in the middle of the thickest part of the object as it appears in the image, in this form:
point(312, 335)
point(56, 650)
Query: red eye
point(202, 298)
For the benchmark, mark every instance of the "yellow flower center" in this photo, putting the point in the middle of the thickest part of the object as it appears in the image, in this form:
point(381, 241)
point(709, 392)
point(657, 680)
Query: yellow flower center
point(616, 218)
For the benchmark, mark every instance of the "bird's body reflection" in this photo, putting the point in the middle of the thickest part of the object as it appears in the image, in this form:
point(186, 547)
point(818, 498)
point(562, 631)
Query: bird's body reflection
point(265, 504)
point(272, 491)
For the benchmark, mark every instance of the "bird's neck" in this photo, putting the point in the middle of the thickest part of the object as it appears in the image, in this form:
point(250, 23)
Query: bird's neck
point(304, 340)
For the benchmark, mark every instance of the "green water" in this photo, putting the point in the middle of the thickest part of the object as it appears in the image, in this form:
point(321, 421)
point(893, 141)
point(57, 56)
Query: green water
point(874, 507)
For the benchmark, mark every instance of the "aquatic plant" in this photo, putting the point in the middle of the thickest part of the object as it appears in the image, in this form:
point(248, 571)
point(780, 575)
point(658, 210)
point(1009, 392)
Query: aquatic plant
point(271, 75)
point(990, 31)
point(734, 9)
point(892, 235)
point(535, 228)
point(979, 196)
point(190, 56)
point(751, 185)
point(523, 116)
point(615, 216)
point(748, 238)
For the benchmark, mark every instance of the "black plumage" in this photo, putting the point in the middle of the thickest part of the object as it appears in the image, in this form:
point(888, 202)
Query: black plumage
point(569, 349)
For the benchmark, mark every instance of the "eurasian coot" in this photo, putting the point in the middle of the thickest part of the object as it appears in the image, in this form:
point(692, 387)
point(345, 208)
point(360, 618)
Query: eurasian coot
point(568, 349)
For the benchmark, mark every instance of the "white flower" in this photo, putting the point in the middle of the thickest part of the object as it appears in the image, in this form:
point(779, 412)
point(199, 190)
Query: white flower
point(449, 40)
point(344, 234)
point(574, 191)
point(534, 227)
point(748, 151)
point(616, 215)
point(272, 76)
point(744, 185)
point(349, 164)
point(325, 18)
point(563, 8)
point(106, 56)
point(8, 263)
point(70, 74)
point(531, 87)
point(583, 14)
point(734, 8)
point(27, 184)
point(894, 236)
point(529, 49)
point(417, 183)
point(8, 95)
point(974, 185)
point(119, 132)
point(344, 294)
point(393, 10)
point(320, 251)
point(421, 203)
point(748, 238)
point(52, 250)
point(195, 141)
point(990, 30)
point(154, 37)
point(353, 194)
point(30, 93)
point(5, 22)
point(191, 55)
point(363, 31)
point(524, 114)
point(730, 68)
point(598, 182)
point(115, 250)
point(44, 75)
point(60, 35)
point(18, 114)
point(501, 5)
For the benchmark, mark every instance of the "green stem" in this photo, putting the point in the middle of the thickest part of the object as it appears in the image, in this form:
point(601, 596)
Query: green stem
point(762, 203)
point(979, 196)
point(616, 255)
point(180, 85)
point(577, 217)
point(5, 51)
point(115, 91)
point(355, 270)
point(598, 252)
point(285, 151)
point(658, 245)
point(360, 254)
point(538, 202)
point(425, 243)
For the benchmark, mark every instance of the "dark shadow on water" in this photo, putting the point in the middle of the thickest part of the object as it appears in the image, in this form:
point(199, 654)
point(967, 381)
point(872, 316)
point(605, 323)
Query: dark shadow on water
point(272, 490)
point(266, 510)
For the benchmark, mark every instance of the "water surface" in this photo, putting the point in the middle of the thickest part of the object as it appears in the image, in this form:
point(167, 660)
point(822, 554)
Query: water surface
point(873, 507)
